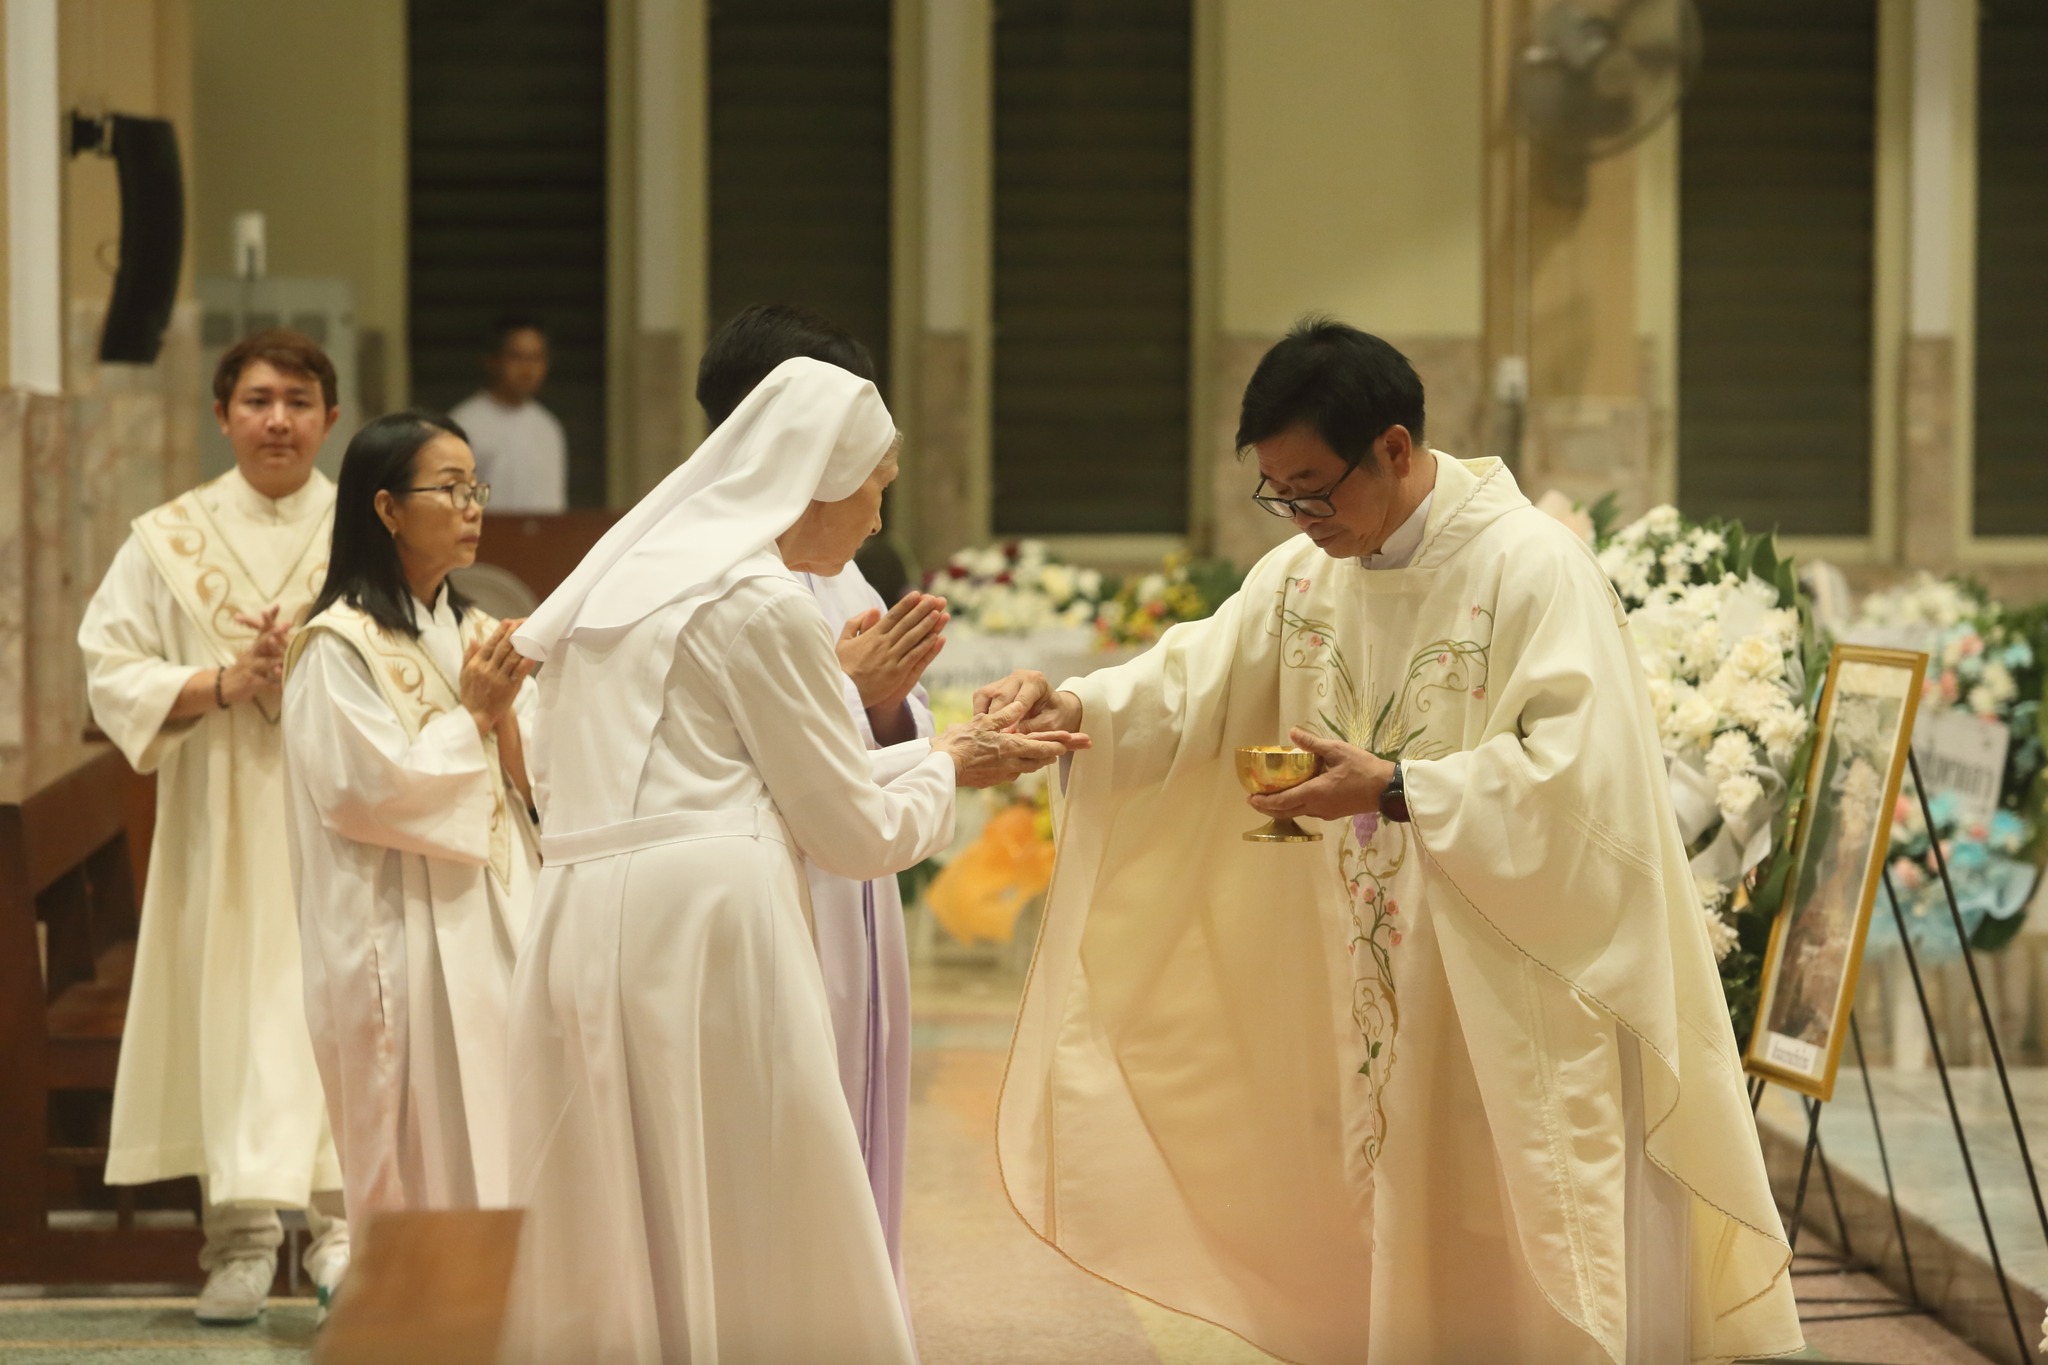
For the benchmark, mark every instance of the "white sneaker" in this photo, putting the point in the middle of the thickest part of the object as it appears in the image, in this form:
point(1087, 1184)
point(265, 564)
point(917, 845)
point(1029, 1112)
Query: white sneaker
point(328, 1265)
point(235, 1291)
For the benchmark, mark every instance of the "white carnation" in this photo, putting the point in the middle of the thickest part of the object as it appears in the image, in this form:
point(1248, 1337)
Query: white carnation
point(1758, 658)
point(1057, 582)
point(1783, 729)
point(1998, 682)
point(1737, 793)
point(1694, 719)
point(1721, 935)
point(1661, 521)
point(1731, 753)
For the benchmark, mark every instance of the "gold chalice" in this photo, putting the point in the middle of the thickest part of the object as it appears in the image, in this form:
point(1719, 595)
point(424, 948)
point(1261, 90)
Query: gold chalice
point(1275, 768)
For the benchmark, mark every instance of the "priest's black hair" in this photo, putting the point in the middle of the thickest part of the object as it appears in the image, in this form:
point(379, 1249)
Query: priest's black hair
point(1347, 384)
point(757, 339)
point(363, 568)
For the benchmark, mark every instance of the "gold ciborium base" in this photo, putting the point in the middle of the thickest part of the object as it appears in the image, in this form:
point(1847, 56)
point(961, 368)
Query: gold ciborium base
point(1281, 830)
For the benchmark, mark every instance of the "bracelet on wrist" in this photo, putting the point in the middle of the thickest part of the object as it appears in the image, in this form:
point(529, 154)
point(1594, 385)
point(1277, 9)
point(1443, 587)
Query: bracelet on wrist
point(219, 699)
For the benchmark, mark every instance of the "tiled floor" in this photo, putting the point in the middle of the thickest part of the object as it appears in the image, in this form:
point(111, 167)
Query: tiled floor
point(1945, 1233)
point(983, 1290)
point(147, 1331)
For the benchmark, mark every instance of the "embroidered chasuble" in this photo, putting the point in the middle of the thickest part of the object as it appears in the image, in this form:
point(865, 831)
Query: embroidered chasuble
point(1457, 1089)
point(415, 865)
point(216, 1075)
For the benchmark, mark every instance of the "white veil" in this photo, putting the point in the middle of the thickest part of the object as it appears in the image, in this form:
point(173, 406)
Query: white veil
point(808, 432)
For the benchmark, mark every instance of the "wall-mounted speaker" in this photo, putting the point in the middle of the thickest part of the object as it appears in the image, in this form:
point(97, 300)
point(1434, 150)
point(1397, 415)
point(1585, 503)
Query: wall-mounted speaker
point(145, 154)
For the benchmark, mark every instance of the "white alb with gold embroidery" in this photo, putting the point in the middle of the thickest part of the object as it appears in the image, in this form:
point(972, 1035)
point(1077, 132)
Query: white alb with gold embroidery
point(216, 1075)
point(415, 865)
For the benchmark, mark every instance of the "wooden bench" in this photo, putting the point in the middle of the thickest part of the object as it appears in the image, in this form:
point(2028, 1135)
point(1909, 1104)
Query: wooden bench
point(65, 864)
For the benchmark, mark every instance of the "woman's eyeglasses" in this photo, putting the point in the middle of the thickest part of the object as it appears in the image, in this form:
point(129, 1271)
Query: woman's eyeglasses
point(461, 494)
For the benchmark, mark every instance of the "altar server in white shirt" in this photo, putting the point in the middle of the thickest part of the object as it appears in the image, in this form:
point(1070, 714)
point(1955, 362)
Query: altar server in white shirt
point(521, 450)
point(883, 651)
point(413, 851)
point(693, 1188)
point(184, 644)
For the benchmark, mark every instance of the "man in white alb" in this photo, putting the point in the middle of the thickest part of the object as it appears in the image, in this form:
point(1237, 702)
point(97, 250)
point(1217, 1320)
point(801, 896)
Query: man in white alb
point(184, 647)
point(520, 449)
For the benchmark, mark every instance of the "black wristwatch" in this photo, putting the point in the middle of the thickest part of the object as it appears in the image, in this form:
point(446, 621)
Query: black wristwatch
point(1394, 800)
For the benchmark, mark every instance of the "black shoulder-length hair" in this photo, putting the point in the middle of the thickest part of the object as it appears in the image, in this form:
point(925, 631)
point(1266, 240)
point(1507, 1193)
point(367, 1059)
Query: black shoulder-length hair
point(362, 566)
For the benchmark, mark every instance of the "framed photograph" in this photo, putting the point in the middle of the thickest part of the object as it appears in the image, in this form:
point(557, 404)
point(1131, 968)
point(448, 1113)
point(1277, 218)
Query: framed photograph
point(1864, 733)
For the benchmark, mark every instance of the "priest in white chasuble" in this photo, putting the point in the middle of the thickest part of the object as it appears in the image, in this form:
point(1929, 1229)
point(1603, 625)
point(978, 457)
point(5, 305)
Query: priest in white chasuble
point(184, 646)
point(1456, 1082)
point(414, 853)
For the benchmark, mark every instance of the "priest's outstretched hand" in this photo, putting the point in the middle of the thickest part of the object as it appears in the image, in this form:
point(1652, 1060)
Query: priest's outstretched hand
point(1025, 702)
point(986, 755)
point(1349, 784)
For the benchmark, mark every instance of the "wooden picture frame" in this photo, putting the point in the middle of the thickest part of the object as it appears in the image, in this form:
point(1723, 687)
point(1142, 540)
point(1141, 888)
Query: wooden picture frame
point(1840, 843)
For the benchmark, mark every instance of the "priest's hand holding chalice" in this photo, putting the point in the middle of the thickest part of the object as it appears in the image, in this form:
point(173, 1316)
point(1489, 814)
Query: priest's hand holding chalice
point(1263, 769)
point(1325, 779)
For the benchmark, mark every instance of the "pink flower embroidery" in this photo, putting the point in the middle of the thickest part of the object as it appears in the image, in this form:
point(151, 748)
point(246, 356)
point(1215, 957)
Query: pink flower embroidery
point(1393, 909)
point(1476, 611)
point(1366, 895)
point(1443, 658)
point(1479, 694)
point(1397, 938)
point(1301, 585)
point(1315, 642)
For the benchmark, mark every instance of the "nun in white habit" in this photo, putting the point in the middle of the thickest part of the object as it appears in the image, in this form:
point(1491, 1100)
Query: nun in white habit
point(693, 1184)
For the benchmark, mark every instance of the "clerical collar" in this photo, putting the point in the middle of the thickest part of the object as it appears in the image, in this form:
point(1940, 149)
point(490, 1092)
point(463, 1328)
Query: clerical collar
point(1402, 545)
point(279, 511)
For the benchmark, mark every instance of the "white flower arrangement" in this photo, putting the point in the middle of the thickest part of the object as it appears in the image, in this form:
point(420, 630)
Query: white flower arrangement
point(1714, 617)
point(1016, 589)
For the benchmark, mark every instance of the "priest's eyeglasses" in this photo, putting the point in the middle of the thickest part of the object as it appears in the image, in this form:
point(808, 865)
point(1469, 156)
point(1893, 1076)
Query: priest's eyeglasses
point(1315, 507)
point(461, 494)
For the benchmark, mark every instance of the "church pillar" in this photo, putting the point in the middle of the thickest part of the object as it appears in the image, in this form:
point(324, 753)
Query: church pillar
point(1569, 406)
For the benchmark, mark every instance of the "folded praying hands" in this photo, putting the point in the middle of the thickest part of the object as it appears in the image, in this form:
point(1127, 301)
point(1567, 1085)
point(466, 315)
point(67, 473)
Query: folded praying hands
point(260, 667)
point(886, 655)
point(491, 673)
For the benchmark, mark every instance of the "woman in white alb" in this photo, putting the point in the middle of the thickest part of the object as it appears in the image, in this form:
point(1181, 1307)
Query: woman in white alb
point(693, 1184)
point(407, 815)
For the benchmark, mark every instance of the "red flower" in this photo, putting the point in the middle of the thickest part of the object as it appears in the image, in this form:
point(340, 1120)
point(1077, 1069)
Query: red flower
point(1011, 549)
point(955, 571)
point(1005, 577)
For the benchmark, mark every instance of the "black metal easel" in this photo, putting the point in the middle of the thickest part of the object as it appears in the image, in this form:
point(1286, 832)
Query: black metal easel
point(1912, 1303)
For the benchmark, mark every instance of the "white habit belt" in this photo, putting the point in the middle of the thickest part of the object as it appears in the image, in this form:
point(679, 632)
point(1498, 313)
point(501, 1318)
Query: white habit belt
point(652, 831)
